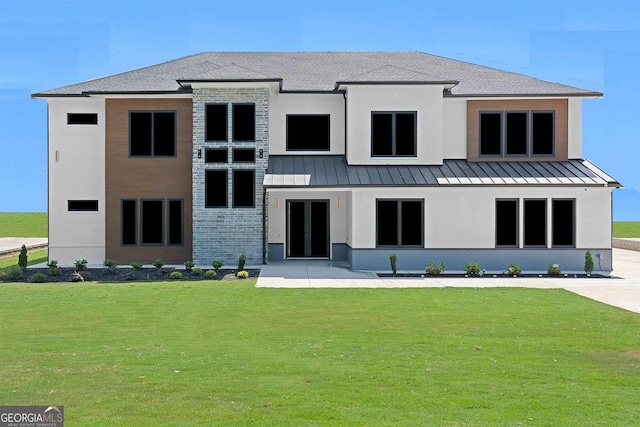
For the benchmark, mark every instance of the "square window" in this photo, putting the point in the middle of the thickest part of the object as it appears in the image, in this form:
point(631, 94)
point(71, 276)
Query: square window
point(215, 155)
point(393, 134)
point(152, 134)
point(244, 155)
point(308, 132)
point(151, 222)
point(244, 122)
point(216, 122)
point(82, 118)
point(244, 188)
point(399, 222)
point(215, 188)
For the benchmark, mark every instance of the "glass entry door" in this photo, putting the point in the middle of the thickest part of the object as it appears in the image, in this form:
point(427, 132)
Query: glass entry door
point(308, 228)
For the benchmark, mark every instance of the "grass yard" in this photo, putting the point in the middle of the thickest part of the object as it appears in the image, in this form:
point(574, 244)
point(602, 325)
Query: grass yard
point(33, 258)
point(23, 224)
point(225, 353)
point(626, 229)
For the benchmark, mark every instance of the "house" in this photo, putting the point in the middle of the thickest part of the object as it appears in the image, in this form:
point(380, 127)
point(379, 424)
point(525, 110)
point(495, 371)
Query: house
point(348, 156)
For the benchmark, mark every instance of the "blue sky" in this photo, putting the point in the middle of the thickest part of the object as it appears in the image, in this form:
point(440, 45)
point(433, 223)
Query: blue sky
point(589, 44)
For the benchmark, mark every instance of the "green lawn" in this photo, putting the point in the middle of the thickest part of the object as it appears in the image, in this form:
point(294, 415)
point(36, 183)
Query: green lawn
point(626, 229)
point(33, 258)
point(23, 224)
point(225, 353)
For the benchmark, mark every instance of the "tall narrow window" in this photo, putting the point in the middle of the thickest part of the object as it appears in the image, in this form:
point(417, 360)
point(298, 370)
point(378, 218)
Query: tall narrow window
point(506, 223)
point(490, 133)
point(244, 188)
point(563, 222)
point(82, 118)
point(151, 222)
point(542, 135)
point(308, 132)
point(175, 222)
point(393, 134)
point(216, 122)
point(152, 134)
point(244, 122)
point(516, 141)
point(128, 222)
point(215, 187)
point(535, 223)
point(399, 222)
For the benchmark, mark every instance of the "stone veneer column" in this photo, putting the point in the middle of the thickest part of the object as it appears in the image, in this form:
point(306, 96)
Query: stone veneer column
point(224, 233)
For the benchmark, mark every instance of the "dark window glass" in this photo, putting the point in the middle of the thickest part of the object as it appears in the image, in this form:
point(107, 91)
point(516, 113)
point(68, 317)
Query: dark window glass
point(151, 222)
point(517, 134)
point(307, 132)
point(563, 223)
point(393, 134)
point(215, 155)
point(128, 225)
point(82, 205)
point(152, 134)
point(175, 222)
point(215, 189)
point(82, 119)
point(542, 133)
point(216, 122)
point(535, 222)
point(382, 134)
point(399, 222)
point(405, 134)
point(490, 134)
point(243, 188)
point(244, 155)
point(244, 122)
point(506, 223)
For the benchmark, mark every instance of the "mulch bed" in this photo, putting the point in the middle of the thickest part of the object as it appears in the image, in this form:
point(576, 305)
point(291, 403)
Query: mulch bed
point(125, 275)
point(492, 276)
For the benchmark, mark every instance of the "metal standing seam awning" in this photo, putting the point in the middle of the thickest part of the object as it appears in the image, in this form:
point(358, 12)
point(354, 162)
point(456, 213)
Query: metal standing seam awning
point(333, 171)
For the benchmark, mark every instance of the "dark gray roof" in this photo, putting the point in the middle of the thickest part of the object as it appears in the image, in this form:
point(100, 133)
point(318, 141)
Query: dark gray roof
point(320, 71)
point(333, 171)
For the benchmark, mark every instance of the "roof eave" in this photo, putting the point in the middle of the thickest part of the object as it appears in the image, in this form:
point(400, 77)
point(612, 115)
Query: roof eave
point(448, 83)
point(527, 95)
point(187, 82)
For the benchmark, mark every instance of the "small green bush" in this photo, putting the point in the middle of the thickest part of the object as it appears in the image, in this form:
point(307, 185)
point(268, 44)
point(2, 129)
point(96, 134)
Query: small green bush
point(217, 265)
point(37, 278)
point(433, 269)
point(14, 273)
point(241, 261)
point(175, 275)
point(136, 265)
point(158, 263)
point(554, 270)
point(188, 265)
point(393, 259)
point(588, 262)
point(472, 268)
point(197, 271)
point(81, 264)
point(109, 263)
point(242, 274)
point(22, 258)
point(210, 274)
point(514, 270)
point(52, 265)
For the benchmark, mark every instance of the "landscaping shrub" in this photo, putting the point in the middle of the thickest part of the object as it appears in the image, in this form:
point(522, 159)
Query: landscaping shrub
point(22, 258)
point(14, 273)
point(588, 262)
point(242, 274)
point(37, 278)
point(472, 268)
point(210, 274)
point(136, 265)
point(109, 263)
point(158, 263)
point(188, 265)
point(197, 271)
point(433, 269)
point(175, 275)
point(393, 259)
point(217, 265)
point(514, 270)
point(554, 270)
point(81, 264)
point(241, 260)
point(52, 265)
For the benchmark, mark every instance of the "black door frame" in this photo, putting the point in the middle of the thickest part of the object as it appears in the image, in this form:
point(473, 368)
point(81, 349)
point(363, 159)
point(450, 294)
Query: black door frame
point(308, 227)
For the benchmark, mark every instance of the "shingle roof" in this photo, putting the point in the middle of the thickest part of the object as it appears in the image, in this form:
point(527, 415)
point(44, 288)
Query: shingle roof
point(333, 171)
point(319, 71)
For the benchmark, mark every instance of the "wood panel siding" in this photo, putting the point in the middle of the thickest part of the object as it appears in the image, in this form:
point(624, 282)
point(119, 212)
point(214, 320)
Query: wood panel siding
point(147, 178)
point(560, 106)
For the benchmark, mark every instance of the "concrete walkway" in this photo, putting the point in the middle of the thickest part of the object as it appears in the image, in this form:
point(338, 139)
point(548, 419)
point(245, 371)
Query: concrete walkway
point(622, 289)
point(10, 246)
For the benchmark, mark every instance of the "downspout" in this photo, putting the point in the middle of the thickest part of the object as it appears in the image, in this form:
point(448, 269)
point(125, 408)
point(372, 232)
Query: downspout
point(264, 227)
point(344, 95)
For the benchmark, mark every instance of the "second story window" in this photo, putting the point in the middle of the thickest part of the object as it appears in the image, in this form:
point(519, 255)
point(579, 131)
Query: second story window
point(393, 134)
point(516, 133)
point(152, 133)
point(307, 132)
point(244, 122)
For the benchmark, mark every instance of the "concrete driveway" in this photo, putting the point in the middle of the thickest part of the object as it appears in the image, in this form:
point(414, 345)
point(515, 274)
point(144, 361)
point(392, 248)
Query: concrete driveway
point(622, 289)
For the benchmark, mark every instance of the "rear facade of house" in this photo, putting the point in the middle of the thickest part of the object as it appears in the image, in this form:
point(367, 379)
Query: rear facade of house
point(347, 156)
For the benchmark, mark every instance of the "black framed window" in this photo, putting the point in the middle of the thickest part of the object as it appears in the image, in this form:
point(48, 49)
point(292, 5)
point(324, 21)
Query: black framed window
point(175, 222)
point(244, 155)
point(393, 134)
point(507, 223)
point(535, 222)
point(151, 222)
point(542, 133)
point(244, 188)
point(128, 222)
point(82, 118)
point(216, 122)
point(490, 133)
point(516, 133)
point(215, 187)
point(308, 132)
point(244, 122)
point(215, 155)
point(563, 214)
point(82, 205)
point(152, 133)
point(399, 222)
